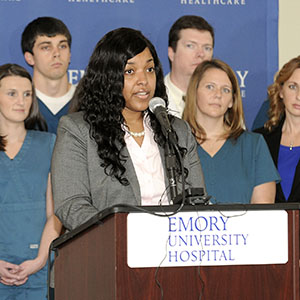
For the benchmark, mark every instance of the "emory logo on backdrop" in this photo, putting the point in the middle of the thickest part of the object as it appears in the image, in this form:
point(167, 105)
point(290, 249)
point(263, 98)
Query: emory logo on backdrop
point(10, 0)
point(213, 2)
point(75, 75)
point(103, 1)
point(241, 75)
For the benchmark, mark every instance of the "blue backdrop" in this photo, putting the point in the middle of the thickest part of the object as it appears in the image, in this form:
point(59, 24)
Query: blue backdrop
point(246, 33)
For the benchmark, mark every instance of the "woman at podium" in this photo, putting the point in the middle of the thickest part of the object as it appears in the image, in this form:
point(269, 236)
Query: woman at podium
point(27, 221)
point(237, 165)
point(281, 131)
point(112, 150)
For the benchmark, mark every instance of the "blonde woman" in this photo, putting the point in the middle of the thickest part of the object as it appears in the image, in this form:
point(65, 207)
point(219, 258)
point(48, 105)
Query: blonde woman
point(237, 165)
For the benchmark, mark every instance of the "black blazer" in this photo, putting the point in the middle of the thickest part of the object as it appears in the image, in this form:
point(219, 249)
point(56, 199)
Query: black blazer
point(273, 139)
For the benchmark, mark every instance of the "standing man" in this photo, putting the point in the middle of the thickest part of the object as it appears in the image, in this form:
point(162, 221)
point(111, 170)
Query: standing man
point(191, 41)
point(46, 45)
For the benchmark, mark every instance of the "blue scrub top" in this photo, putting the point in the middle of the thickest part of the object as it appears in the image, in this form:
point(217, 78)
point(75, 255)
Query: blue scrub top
point(51, 119)
point(233, 172)
point(23, 185)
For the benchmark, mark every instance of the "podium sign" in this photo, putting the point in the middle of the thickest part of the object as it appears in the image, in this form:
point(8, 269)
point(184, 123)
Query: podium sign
point(97, 261)
point(207, 238)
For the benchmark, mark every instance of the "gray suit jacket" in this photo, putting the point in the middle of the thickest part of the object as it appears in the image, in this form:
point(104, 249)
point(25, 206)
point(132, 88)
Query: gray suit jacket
point(81, 188)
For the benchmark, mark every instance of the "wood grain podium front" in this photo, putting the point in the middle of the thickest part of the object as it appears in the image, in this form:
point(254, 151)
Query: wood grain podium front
point(91, 264)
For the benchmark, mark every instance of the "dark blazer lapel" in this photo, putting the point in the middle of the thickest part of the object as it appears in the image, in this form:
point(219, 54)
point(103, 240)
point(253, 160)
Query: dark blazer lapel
point(295, 192)
point(273, 139)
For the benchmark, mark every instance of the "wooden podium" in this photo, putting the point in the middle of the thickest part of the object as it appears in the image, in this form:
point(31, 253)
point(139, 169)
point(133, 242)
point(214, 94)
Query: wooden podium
point(91, 264)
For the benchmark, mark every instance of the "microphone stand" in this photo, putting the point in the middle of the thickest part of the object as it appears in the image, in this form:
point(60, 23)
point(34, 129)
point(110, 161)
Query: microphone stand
point(191, 196)
point(170, 158)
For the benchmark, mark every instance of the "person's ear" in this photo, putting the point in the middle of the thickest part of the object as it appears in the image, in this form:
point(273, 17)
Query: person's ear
point(29, 58)
point(171, 54)
point(280, 93)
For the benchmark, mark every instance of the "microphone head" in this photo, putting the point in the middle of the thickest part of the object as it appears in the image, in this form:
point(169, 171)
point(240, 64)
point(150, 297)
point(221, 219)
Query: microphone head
point(155, 102)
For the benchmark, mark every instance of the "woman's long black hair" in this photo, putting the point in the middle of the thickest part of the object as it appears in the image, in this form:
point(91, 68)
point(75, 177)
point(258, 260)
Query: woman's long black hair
point(99, 95)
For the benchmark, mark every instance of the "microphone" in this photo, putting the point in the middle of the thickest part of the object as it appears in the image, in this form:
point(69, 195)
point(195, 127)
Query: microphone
point(158, 107)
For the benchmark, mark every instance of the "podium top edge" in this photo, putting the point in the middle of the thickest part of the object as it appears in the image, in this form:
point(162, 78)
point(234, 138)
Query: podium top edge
point(122, 208)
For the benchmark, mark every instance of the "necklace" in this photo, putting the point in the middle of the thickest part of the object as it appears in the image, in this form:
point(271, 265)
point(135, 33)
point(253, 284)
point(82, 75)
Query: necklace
point(137, 134)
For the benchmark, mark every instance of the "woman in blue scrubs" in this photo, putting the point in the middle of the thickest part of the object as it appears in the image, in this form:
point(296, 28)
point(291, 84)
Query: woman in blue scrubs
point(237, 165)
point(27, 221)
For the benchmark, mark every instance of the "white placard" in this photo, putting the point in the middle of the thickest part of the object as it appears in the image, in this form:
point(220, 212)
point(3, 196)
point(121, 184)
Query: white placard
point(207, 238)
